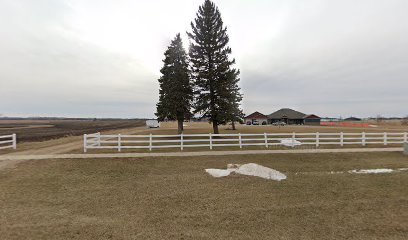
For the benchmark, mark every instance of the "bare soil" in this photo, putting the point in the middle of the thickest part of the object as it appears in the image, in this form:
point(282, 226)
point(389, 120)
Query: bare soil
point(70, 144)
point(42, 130)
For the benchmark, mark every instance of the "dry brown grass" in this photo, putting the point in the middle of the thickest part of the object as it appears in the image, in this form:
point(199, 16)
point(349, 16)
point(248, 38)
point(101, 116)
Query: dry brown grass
point(170, 128)
point(46, 147)
point(173, 198)
point(202, 127)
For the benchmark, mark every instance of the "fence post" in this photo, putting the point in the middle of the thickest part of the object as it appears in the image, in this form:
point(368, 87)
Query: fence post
point(85, 143)
point(150, 142)
point(405, 137)
point(119, 143)
point(317, 140)
point(342, 139)
point(240, 140)
point(211, 146)
point(266, 140)
point(385, 139)
point(293, 139)
point(14, 141)
point(99, 139)
point(363, 139)
point(181, 142)
point(405, 146)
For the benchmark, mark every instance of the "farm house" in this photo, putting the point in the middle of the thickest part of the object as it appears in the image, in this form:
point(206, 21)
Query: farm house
point(256, 118)
point(290, 116)
point(286, 115)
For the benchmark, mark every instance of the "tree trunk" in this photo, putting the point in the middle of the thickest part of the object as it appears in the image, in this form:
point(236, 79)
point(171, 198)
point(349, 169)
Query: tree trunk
point(215, 127)
point(233, 125)
point(180, 126)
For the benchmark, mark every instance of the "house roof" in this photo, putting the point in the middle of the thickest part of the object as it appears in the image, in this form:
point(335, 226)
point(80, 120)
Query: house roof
point(352, 119)
point(256, 115)
point(312, 116)
point(287, 113)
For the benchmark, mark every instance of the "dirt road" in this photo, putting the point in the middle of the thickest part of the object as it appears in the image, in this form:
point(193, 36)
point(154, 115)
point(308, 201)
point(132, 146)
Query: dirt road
point(64, 145)
point(184, 154)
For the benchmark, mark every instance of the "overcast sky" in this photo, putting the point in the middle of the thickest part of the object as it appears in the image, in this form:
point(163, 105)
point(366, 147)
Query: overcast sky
point(101, 58)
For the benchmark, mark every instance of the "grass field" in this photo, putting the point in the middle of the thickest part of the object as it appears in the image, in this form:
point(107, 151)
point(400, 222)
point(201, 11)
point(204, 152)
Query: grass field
point(173, 198)
point(170, 128)
point(202, 127)
point(65, 136)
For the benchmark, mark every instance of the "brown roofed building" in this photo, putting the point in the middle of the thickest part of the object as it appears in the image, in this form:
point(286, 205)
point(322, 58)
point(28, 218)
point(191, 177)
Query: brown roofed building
point(256, 118)
point(290, 116)
point(287, 116)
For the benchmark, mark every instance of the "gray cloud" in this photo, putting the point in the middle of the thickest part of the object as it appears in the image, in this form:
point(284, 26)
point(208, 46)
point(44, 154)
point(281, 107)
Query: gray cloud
point(332, 58)
point(45, 71)
point(347, 59)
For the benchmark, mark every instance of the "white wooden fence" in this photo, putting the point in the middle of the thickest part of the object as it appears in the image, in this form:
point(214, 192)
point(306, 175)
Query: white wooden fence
point(9, 141)
point(119, 142)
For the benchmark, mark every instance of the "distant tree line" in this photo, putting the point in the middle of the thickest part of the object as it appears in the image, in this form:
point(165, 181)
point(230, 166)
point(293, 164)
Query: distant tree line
point(203, 81)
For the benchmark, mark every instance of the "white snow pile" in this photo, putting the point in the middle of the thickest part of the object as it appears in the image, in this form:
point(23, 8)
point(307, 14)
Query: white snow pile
point(363, 171)
point(218, 172)
point(250, 169)
point(372, 171)
point(376, 171)
point(290, 143)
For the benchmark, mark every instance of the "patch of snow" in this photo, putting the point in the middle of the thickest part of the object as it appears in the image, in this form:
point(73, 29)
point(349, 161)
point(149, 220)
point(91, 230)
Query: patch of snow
point(250, 169)
point(290, 143)
point(217, 173)
point(361, 171)
point(372, 171)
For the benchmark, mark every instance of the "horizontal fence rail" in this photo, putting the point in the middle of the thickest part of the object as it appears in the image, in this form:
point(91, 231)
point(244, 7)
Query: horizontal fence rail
point(8, 141)
point(120, 142)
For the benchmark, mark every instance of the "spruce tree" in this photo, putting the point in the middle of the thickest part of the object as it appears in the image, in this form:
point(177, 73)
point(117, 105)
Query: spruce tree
point(176, 92)
point(235, 113)
point(215, 80)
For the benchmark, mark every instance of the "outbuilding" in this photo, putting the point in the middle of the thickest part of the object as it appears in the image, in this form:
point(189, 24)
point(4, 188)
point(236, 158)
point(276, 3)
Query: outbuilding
point(352, 119)
point(311, 119)
point(152, 123)
point(256, 118)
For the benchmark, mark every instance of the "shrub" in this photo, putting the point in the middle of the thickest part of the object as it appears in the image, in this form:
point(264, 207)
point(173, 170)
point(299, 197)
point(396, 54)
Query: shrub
point(404, 121)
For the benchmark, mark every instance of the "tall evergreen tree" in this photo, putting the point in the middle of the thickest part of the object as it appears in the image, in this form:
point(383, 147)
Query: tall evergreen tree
point(235, 113)
point(176, 91)
point(216, 81)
